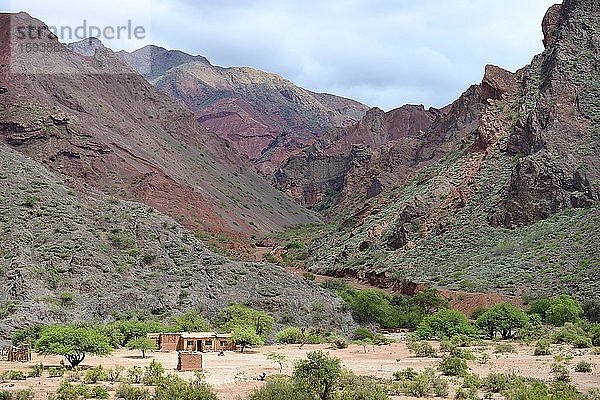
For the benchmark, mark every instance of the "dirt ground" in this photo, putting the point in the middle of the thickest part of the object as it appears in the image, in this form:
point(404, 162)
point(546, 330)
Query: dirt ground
point(234, 375)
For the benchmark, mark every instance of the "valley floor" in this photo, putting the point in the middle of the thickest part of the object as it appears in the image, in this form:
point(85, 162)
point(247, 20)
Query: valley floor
point(234, 375)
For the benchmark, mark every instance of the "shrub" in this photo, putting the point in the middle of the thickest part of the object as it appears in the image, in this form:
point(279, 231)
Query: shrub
point(126, 391)
point(421, 348)
point(363, 333)
point(453, 366)
point(339, 342)
point(14, 375)
point(583, 366)
point(56, 372)
point(99, 392)
point(497, 382)
point(464, 393)
point(561, 373)
point(114, 374)
point(461, 340)
point(174, 388)
point(277, 388)
point(153, 373)
point(504, 348)
point(95, 375)
point(572, 334)
point(471, 381)
point(135, 374)
point(407, 374)
point(289, 335)
point(36, 371)
point(542, 348)
point(23, 394)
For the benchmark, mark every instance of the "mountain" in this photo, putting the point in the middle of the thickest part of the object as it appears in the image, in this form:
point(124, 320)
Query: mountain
point(497, 192)
point(78, 257)
point(95, 120)
point(262, 115)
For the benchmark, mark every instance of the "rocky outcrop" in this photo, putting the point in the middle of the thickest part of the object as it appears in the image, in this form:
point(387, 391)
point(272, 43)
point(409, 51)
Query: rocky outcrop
point(262, 115)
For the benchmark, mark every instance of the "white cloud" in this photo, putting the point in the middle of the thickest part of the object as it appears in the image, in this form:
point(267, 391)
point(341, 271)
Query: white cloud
point(381, 52)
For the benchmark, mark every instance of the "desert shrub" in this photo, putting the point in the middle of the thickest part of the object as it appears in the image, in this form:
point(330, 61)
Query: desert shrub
point(114, 374)
point(126, 391)
point(172, 387)
point(277, 388)
point(23, 394)
point(14, 375)
point(542, 348)
point(421, 348)
point(465, 354)
point(339, 342)
point(560, 373)
point(353, 387)
point(313, 336)
point(56, 372)
point(363, 333)
point(36, 371)
point(453, 366)
point(70, 391)
point(498, 382)
point(135, 374)
point(594, 333)
point(289, 335)
point(466, 393)
point(462, 340)
point(583, 366)
point(572, 334)
point(471, 381)
point(99, 392)
point(591, 310)
point(407, 374)
point(504, 348)
point(153, 373)
point(95, 375)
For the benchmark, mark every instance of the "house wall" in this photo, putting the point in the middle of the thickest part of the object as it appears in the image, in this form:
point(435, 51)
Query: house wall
point(169, 341)
point(189, 361)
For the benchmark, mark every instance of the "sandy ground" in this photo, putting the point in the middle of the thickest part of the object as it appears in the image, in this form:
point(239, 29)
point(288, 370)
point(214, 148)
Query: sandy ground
point(235, 374)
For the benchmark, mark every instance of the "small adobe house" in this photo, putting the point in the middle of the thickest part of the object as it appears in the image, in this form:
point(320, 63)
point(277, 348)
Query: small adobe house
point(194, 341)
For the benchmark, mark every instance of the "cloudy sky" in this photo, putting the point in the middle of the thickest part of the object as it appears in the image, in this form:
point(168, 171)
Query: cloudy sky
point(382, 52)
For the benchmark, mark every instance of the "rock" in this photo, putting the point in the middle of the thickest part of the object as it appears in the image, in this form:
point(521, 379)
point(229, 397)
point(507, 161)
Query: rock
point(551, 20)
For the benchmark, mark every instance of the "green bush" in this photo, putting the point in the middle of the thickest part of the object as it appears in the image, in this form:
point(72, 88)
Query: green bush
point(453, 366)
point(561, 373)
point(126, 391)
point(36, 371)
point(172, 387)
point(153, 373)
point(135, 374)
point(56, 372)
point(407, 374)
point(562, 310)
point(289, 335)
point(14, 375)
point(339, 342)
point(23, 394)
point(99, 392)
point(504, 348)
point(277, 388)
point(363, 333)
point(542, 348)
point(466, 393)
point(583, 366)
point(421, 348)
point(572, 334)
point(95, 375)
point(498, 382)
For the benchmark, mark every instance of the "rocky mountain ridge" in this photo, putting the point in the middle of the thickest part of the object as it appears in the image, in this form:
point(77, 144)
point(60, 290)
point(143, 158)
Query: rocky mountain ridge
point(262, 115)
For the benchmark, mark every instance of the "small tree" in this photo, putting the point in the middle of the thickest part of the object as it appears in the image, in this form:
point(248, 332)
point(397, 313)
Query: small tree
point(143, 344)
point(245, 337)
point(430, 300)
point(318, 374)
point(445, 324)
point(563, 309)
point(237, 316)
point(72, 342)
point(503, 319)
point(277, 358)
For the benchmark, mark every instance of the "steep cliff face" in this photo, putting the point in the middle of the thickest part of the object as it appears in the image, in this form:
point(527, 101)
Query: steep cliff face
point(92, 118)
point(262, 115)
point(504, 196)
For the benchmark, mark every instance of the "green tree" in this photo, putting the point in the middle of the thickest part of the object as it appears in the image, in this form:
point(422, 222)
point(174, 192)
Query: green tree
point(503, 319)
point(429, 300)
point(72, 342)
point(143, 344)
point(290, 335)
point(191, 321)
point(539, 307)
point(318, 374)
point(245, 337)
point(237, 317)
point(131, 329)
point(563, 309)
point(445, 324)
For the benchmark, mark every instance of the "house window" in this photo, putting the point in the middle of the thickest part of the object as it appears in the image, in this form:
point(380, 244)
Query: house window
point(223, 343)
point(208, 342)
point(190, 343)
